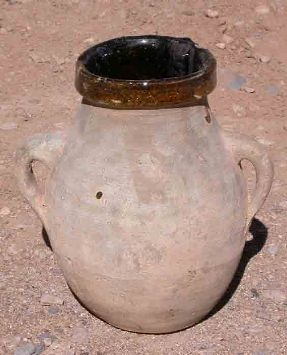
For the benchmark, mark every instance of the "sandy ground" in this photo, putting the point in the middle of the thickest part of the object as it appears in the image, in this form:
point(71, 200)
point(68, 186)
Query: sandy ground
point(39, 43)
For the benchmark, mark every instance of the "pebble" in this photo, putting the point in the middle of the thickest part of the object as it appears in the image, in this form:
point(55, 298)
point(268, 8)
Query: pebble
point(27, 349)
point(248, 90)
point(48, 300)
point(7, 126)
point(265, 141)
point(5, 211)
point(211, 13)
point(3, 31)
point(262, 10)
point(188, 13)
point(221, 45)
point(275, 295)
point(272, 249)
point(264, 59)
point(90, 40)
point(250, 42)
point(238, 110)
point(227, 39)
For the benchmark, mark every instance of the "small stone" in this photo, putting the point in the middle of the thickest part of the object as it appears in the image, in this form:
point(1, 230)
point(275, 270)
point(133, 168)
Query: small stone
point(227, 39)
point(264, 59)
point(272, 249)
point(265, 141)
point(188, 13)
point(47, 342)
point(262, 10)
point(27, 349)
point(47, 300)
point(7, 126)
point(250, 42)
point(275, 295)
point(248, 90)
point(211, 13)
point(90, 40)
point(5, 211)
point(221, 45)
point(238, 110)
point(3, 31)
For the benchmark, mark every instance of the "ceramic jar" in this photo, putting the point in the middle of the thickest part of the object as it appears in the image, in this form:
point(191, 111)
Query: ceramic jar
point(146, 205)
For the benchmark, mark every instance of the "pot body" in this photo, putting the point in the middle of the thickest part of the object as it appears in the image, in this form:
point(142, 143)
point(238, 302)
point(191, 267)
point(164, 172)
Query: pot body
point(146, 212)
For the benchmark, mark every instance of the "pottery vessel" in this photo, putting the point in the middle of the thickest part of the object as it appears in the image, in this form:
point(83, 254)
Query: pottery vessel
point(146, 205)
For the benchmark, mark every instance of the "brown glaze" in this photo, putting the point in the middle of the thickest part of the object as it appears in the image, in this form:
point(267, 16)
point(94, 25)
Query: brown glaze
point(135, 76)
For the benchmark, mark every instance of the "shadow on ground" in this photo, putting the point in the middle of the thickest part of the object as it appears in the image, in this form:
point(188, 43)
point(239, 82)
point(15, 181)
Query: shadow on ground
point(252, 247)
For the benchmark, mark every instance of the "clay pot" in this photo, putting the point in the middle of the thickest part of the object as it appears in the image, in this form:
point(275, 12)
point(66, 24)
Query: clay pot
point(146, 205)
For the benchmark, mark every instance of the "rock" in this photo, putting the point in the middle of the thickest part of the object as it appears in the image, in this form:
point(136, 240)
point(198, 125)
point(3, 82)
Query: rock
point(211, 13)
point(238, 110)
point(48, 300)
point(264, 58)
point(5, 211)
point(230, 80)
point(248, 90)
point(27, 349)
point(7, 126)
point(272, 249)
point(227, 39)
point(262, 10)
point(275, 295)
point(221, 45)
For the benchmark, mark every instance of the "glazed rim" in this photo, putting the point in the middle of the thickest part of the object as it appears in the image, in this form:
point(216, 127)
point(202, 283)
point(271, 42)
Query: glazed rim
point(145, 72)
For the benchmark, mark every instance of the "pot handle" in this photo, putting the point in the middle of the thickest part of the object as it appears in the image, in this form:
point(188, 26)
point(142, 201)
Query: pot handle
point(45, 148)
point(244, 147)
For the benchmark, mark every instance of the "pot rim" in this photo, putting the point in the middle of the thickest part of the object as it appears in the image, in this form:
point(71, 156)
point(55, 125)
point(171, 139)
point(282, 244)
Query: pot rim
point(128, 93)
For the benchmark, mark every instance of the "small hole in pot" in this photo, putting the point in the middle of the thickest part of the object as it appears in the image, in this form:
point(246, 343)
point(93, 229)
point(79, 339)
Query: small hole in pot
point(208, 117)
point(99, 195)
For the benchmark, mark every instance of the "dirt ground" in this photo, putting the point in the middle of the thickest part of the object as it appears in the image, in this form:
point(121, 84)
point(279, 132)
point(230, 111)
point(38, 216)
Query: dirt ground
point(39, 43)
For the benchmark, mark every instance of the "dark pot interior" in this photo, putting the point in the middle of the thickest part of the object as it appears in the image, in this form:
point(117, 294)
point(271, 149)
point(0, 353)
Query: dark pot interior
point(143, 58)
